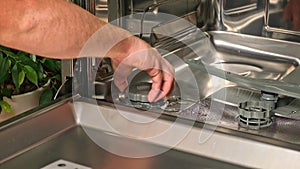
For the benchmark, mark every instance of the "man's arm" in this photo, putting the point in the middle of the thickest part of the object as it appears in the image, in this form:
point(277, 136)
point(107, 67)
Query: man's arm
point(55, 28)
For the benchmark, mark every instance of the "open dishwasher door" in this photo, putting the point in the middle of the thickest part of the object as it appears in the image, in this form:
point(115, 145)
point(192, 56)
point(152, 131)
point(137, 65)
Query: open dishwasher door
point(199, 126)
point(76, 132)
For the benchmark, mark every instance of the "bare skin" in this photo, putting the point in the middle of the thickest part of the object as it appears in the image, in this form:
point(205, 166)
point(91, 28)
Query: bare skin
point(59, 29)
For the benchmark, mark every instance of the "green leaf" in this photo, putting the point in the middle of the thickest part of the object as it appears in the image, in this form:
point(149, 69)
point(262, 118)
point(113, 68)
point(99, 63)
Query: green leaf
point(31, 74)
point(40, 72)
point(4, 49)
point(22, 54)
point(5, 92)
point(21, 77)
point(21, 59)
point(4, 67)
point(53, 65)
point(46, 96)
point(57, 77)
point(15, 77)
point(6, 107)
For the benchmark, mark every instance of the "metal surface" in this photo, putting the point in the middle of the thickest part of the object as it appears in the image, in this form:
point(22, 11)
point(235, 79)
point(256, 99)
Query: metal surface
point(289, 110)
point(282, 129)
point(51, 134)
point(63, 164)
point(275, 25)
point(89, 154)
point(253, 17)
point(102, 9)
point(256, 63)
point(89, 5)
point(253, 62)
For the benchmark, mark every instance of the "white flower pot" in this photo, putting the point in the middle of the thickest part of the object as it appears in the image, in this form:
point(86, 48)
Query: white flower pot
point(22, 102)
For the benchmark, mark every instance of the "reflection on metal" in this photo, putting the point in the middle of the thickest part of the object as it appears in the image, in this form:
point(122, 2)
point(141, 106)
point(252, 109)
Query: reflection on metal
point(102, 9)
point(253, 17)
point(89, 5)
point(103, 78)
point(275, 25)
point(290, 109)
point(256, 64)
point(248, 6)
point(58, 136)
point(67, 69)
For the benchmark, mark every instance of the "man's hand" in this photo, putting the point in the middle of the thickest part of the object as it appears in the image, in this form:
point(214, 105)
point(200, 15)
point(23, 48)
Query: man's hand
point(135, 53)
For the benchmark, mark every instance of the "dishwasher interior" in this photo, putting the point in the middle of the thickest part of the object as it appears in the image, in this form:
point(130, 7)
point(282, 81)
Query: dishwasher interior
point(235, 102)
point(236, 63)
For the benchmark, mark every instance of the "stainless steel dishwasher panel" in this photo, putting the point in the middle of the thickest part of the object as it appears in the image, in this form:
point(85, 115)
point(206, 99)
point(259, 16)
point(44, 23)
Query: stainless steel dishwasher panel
point(47, 135)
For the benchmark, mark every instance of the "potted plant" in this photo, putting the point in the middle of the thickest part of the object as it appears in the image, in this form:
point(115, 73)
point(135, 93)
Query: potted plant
point(24, 74)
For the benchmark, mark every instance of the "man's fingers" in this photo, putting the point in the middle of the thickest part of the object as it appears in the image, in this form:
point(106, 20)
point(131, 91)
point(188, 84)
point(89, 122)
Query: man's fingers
point(162, 84)
point(168, 83)
point(157, 80)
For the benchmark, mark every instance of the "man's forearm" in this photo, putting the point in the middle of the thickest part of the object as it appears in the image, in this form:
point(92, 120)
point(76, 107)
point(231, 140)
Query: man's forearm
point(54, 28)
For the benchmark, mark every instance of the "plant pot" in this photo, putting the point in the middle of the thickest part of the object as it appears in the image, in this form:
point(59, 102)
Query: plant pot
point(23, 102)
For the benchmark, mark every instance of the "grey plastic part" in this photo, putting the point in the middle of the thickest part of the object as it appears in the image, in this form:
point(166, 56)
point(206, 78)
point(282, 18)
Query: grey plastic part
point(138, 92)
point(257, 114)
point(256, 109)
